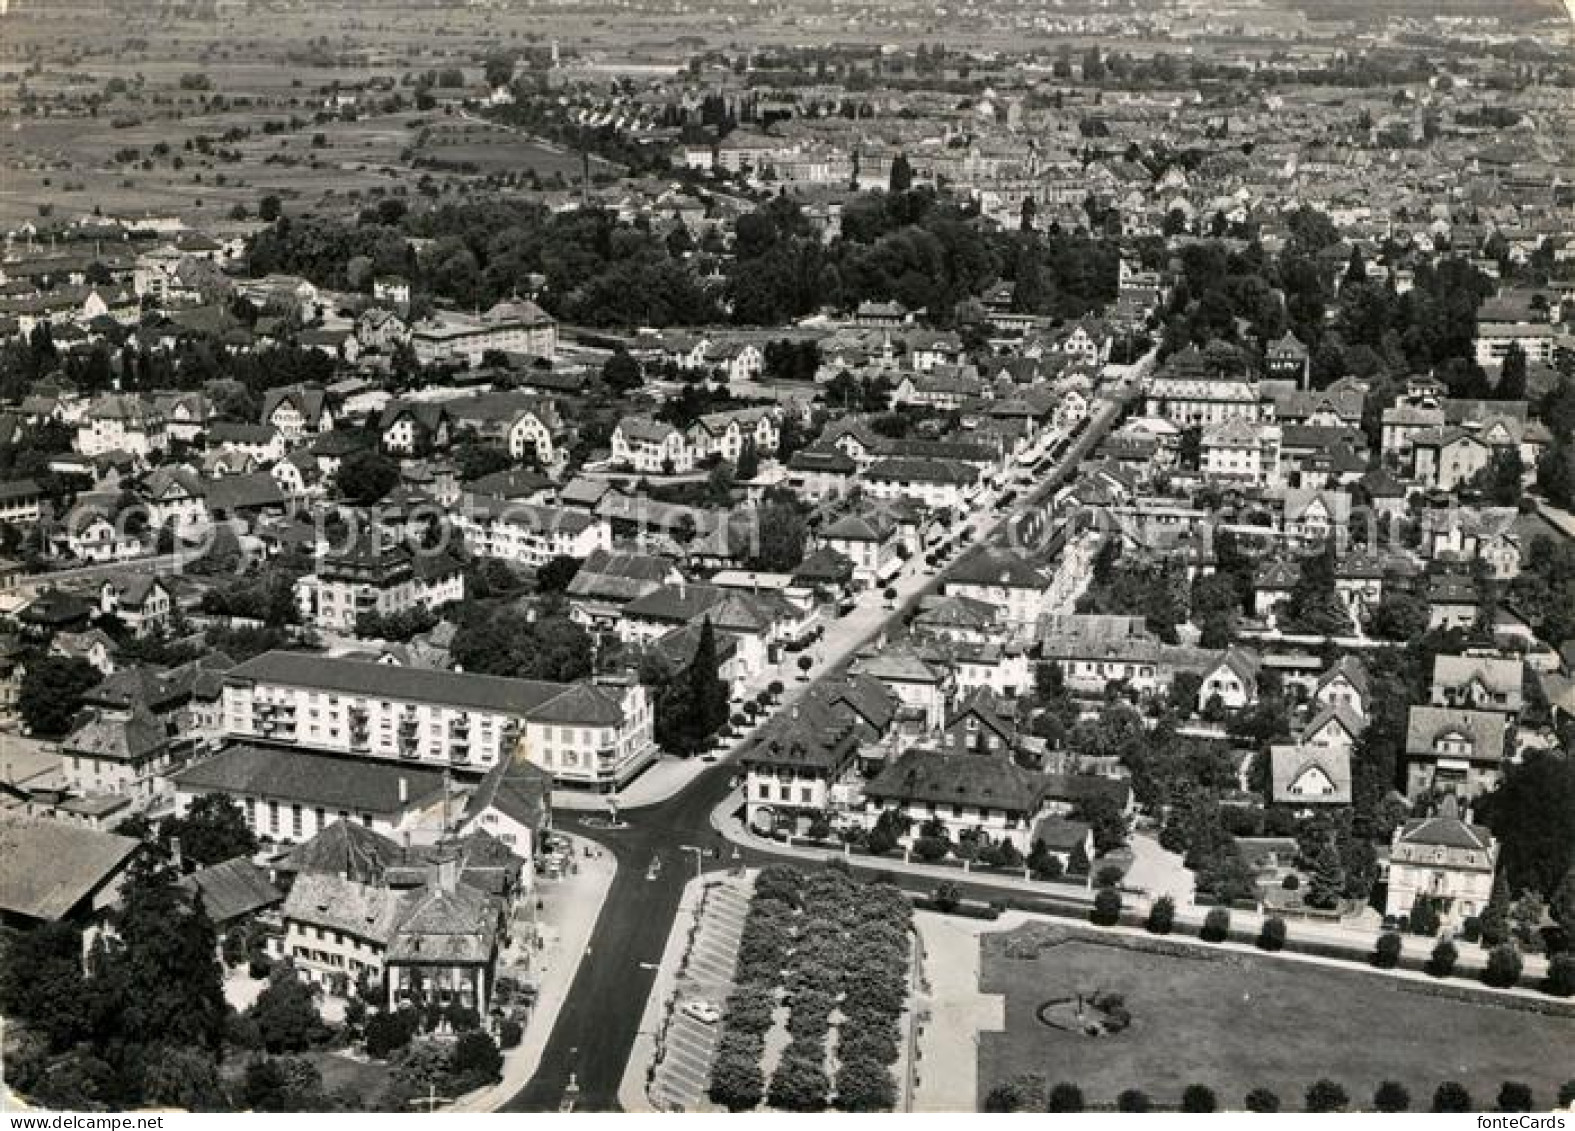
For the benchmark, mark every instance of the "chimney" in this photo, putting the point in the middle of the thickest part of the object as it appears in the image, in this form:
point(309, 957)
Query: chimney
point(175, 857)
point(443, 871)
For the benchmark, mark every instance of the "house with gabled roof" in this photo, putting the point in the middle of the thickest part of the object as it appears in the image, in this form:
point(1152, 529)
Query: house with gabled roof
point(1232, 680)
point(871, 541)
point(1344, 686)
point(1453, 751)
point(1002, 578)
point(1479, 682)
point(1305, 776)
point(297, 412)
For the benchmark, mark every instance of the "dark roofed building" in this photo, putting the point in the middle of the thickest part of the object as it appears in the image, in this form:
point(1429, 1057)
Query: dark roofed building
point(53, 870)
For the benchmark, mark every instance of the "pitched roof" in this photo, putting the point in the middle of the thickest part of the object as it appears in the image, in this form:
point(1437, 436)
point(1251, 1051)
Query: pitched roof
point(330, 781)
point(515, 787)
point(48, 867)
point(1290, 764)
point(232, 888)
point(345, 848)
point(366, 911)
point(1445, 831)
point(987, 565)
point(1495, 673)
point(989, 781)
point(1484, 730)
point(129, 740)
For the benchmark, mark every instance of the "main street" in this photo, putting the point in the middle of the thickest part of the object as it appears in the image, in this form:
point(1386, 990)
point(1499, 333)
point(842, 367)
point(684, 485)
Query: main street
point(583, 1061)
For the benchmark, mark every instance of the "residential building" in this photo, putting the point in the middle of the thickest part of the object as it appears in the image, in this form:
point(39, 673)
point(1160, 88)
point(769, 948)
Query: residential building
point(1444, 859)
point(1453, 751)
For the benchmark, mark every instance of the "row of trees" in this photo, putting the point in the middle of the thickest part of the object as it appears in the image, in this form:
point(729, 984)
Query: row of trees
point(1033, 1092)
point(835, 946)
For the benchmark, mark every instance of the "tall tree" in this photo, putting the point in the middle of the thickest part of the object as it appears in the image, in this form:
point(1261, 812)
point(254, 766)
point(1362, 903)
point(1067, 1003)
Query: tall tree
point(901, 176)
point(212, 831)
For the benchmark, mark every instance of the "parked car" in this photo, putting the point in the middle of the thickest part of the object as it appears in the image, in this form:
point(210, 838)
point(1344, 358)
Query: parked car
point(702, 1011)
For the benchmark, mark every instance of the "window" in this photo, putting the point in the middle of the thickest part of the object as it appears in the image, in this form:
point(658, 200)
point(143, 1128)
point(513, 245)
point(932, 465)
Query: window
point(273, 816)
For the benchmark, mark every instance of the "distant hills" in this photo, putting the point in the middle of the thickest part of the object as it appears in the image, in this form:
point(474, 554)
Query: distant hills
point(1510, 11)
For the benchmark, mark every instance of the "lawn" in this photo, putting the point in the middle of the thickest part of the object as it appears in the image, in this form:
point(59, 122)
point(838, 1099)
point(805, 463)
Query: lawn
point(1235, 1022)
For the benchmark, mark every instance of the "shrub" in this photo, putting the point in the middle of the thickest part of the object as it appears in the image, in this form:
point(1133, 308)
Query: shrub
point(1441, 963)
point(1134, 1100)
point(1471, 929)
point(1272, 936)
point(1198, 1098)
point(1567, 1094)
point(1108, 877)
point(1325, 1095)
point(1452, 1097)
point(1561, 976)
point(1107, 908)
point(947, 896)
point(1021, 1093)
point(1216, 928)
point(1065, 1097)
point(931, 849)
point(1503, 966)
point(1291, 882)
point(510, 1033)
point(1263, 1101)
point(477, 1060)
point(1391, 1096)
point(1161, 916)
point(749, 1009)
point(1424, 918)
point(1386, 955)
point(1514, 1096)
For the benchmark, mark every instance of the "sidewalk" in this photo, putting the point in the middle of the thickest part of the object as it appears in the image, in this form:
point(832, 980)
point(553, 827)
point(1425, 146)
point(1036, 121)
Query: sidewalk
point(572, 906)
point(952, 1012)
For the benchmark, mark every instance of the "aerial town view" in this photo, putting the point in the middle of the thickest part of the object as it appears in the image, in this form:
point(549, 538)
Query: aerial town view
point(787, 556)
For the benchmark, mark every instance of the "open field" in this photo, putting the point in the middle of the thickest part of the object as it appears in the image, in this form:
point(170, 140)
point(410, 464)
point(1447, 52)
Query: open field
point(1239, 1021)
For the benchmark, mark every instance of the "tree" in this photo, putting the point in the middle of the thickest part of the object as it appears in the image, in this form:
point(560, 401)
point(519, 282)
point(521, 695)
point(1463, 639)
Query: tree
point(1386, 954)
point(1134, 1100)
point(1515, 1096)
point(1065, 1098)
point(1424, 917)
point(1315, 605)
point(268, 209)
point(288, 1083)
point(1272, 935)
point(1532, 812)
point(477, 1061)
point(1494, 920)
point(1107, 907)
point(621, 373)
point(51, 693)
point(1501, 480)
point(388, 1032)
point(162, 975)
point(1327, 883)
point(213, 830)
point(1103, 813)
point(864, 1085)
point(947, 896)
point(555, 575)
point(1512, 377)
point(1021, 1093)
point(1198, 1098)
point(1161, 916)
point(1450, 1096)
point(799, 1082)
point(1441, 963)
point(1325, 1096)
point(1263, 1101)
point(285, 1014)
point(41, 981)
point(901, 176)
point(1503, 966)
point(1560, 981)
point(1567, 1093)
point(365, 477)
point(1391, 1096)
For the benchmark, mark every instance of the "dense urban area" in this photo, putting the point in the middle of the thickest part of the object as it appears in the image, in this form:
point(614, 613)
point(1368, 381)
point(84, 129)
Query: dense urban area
point(693, 556)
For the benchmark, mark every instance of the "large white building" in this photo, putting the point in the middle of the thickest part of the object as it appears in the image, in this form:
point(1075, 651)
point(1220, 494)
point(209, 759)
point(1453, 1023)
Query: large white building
point(528, 534)
point(594, 735)
point(508, 327)
point(380, 582)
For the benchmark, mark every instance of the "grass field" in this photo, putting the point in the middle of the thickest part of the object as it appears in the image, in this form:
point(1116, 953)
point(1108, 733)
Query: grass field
point(1235, 1022)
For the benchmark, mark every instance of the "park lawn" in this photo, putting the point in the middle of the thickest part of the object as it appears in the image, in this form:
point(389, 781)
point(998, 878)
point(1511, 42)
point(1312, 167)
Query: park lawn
point(1243, 1021)
point(365, 1079)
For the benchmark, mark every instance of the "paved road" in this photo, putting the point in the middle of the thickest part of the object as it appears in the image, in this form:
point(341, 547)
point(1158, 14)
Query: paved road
point(596, 1027)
